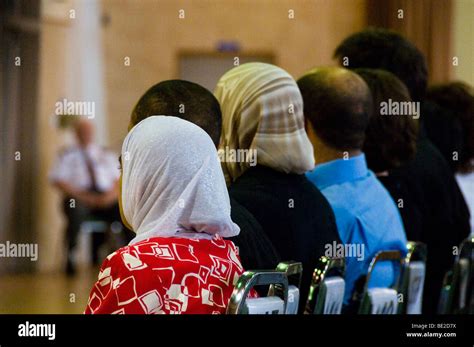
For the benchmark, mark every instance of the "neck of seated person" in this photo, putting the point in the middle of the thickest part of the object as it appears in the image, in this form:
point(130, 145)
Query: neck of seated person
point(330, 154)
point(324, 153)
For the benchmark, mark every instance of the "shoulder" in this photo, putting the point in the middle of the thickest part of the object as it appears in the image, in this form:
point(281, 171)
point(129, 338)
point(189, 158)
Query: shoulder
point(309, 188)
point(241, 216)
point(334, 198)
point(122, 260)
point(107, 154)
point(104, 150)
point(67, 151)
point(114, 258)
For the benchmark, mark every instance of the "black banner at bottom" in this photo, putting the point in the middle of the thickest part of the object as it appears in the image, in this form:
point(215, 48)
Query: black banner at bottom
point(73, 330)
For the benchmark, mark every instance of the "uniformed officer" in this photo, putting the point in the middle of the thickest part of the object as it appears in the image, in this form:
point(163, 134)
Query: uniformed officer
point(87, 175)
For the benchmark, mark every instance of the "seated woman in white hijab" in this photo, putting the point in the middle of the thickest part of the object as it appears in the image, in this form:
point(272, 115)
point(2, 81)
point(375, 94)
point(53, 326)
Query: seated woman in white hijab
point(174, 197)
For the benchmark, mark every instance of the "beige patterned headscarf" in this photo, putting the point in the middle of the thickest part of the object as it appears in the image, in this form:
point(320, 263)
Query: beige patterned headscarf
point(262, 110)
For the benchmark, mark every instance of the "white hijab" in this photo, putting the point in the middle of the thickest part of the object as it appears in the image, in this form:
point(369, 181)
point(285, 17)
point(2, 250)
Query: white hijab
point(172, 182)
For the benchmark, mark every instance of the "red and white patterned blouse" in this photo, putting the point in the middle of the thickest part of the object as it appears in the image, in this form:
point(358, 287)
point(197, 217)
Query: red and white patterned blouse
point(167, 276)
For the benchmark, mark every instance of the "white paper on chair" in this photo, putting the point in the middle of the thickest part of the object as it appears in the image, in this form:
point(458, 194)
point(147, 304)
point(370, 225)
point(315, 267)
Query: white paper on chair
point(265, 305)
point(383, 300)
point(416, 281)
point(335, 287)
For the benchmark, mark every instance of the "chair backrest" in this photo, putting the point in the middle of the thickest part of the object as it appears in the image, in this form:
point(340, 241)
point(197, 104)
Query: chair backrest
point(412, 279)
point(457, 292)
point(332, 293)
point(381, 300)
point(294, 272)
point(239, 302)
point(326, 293)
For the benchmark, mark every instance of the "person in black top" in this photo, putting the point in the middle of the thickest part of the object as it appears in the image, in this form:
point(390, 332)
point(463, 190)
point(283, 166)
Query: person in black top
point(292, 211)
point(390, 142)
point(454, 133)
point(428, 177)
point(444, 131)
point(256, 250)
point(196, 104)
point(263, 126)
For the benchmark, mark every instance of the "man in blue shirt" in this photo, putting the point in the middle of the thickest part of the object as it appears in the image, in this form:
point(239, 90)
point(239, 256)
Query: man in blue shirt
point(337, 105)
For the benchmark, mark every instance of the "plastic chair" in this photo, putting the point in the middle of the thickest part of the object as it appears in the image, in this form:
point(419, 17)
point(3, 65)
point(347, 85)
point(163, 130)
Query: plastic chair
point(457, 292)
point(239, 302)
point(381, 300)
point(326, 293)
point(413, 278)
point(294, 272)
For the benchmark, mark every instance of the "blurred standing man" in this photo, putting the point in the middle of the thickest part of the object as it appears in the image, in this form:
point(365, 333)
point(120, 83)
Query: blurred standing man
point(87, 175)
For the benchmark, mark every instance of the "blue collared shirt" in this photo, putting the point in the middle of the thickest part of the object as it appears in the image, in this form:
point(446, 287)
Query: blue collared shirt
point(366, 216)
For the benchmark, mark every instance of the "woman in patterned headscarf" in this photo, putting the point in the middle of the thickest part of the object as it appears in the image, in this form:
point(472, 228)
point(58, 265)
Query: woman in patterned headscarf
point(265, 152)
point(174, 197)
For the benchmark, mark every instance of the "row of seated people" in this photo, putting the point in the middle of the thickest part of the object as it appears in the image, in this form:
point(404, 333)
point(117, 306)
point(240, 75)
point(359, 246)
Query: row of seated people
point(193, 241)
point(326, 292)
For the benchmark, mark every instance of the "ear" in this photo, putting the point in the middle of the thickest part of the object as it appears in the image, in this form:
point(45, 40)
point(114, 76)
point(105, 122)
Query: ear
point(310, 130)
point(313, 137)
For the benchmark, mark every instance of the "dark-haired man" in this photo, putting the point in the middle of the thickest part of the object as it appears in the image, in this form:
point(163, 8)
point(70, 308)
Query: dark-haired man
point(445, 216)
point(337, 107)
point(183, 99)
point(194, 103)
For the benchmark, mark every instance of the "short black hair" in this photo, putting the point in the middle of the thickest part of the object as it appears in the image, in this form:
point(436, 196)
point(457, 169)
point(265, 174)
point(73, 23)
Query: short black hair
point(378, 48)
point(390, 141)
point(457, 98)
point(183, 99)
point(337, 104)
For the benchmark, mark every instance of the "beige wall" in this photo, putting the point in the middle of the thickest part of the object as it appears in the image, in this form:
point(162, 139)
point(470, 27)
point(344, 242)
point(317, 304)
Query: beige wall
point(52, 82)
point(463, 40)
point(152, 35)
